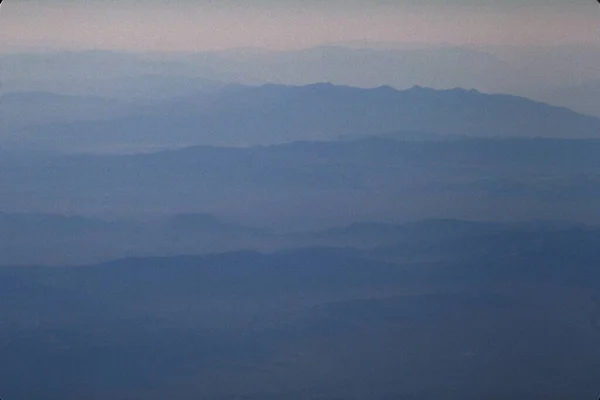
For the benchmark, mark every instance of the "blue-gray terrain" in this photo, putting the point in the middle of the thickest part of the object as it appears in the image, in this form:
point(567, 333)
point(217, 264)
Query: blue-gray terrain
point(313, 185)
point(166, 232)
point(445, 309)
point(237, 115)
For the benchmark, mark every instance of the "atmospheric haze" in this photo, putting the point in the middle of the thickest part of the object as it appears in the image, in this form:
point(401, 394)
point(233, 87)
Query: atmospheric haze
point(292, 200)
point(210, 25)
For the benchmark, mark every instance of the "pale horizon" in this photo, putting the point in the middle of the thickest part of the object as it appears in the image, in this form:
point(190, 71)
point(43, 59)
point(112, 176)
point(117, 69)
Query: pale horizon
point(206, 26)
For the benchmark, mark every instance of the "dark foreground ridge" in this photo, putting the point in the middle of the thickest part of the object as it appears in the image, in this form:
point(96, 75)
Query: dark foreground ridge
point(464, 311)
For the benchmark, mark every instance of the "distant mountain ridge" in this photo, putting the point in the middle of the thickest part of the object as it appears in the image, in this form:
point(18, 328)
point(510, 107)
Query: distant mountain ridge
point(299, 186)
point(244, 115)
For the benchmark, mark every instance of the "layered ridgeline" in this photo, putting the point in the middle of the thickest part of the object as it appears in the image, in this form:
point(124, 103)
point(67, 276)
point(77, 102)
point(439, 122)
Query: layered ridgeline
point(231, 282)
point(45, 239)
point(270, 114)
point(451, 310)
point(314, 185)
point(135, 76)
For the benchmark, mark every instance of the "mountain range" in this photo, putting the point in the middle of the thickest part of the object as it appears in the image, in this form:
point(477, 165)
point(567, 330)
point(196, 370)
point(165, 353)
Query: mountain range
point(302, 186)
point(216, 225)
point(136, 76)
point(247, 116)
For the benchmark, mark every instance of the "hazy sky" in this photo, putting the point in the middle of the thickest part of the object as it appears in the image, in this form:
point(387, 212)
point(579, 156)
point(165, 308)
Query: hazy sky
point(282, 24)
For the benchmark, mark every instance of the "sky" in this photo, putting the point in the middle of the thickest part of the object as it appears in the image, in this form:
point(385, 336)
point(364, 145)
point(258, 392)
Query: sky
point(185, 25)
